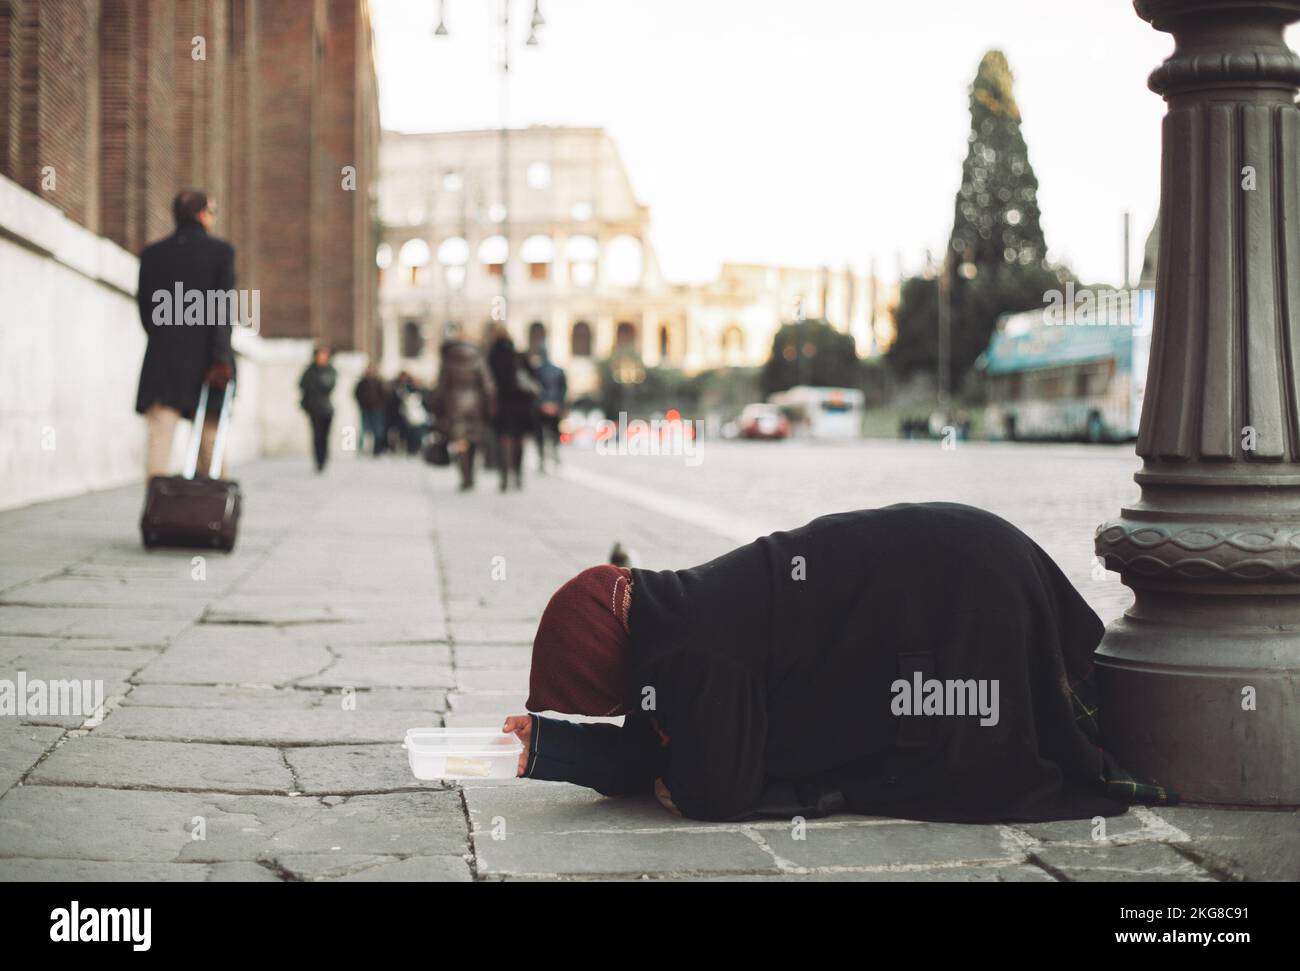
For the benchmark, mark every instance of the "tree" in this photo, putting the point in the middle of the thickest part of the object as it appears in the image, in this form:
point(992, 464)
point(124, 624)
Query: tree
point(810, 352)
point(996, 261)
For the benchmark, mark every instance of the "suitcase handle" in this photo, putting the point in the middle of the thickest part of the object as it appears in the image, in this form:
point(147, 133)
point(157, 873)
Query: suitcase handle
point(196, 432)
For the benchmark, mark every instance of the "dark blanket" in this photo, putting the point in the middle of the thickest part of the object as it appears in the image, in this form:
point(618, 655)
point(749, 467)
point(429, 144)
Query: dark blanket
point(773, 671)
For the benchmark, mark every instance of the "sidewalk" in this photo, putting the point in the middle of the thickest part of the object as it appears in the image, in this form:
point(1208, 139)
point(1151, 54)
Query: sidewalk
point(255, 715)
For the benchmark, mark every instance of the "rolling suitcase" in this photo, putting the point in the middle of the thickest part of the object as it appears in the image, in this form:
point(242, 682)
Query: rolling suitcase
point(181, 510)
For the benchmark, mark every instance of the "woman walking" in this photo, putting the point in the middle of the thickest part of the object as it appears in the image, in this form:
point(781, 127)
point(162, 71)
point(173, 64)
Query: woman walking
point(317, 385)
point(516, 405)
point(926, 661)
point(460, 401)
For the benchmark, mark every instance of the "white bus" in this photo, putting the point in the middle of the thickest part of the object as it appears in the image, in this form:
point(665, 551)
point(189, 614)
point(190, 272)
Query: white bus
point(822, 412)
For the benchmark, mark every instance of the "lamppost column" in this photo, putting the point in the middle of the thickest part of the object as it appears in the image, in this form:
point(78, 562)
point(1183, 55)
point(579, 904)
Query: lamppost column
point(1200, 679)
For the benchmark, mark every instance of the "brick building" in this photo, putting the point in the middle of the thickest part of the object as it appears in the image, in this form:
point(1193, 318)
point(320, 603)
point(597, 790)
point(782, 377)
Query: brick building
point(107, 107)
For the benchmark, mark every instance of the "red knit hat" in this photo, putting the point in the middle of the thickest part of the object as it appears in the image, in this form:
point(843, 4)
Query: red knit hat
point(578, 654)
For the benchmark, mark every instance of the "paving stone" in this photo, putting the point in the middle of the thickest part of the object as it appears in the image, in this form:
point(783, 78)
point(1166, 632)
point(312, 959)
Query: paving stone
point(483, 707)
point(598, 853)
point(230, 655)
point(137, 826)
point(323, 726)
point(511, 681)
point(506, 656)
point(1154, 862)
point(92, 760)
point(379, 632)
point(967, 873)
point(99, 622)
point(279, 612)
point(20, 748)
point(359, 868)
point(27, 870)
point(532, 807)
point(241, 697)
point(159, 589)
point(425, 823)
point(495, 632)
point(345, 769)
point(1080, 830)
point(850, 841)
point(392, 666)
point(416, 869)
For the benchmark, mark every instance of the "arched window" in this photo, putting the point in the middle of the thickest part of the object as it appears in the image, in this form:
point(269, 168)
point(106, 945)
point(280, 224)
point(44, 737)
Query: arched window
point(492, 253)
point(537, 253)
point(453, 251)
point(580, 340)
point(412, 339)
point(582, 252)
point(733, 344)
point(414, 257)
point(664, 340)
point(625, 336)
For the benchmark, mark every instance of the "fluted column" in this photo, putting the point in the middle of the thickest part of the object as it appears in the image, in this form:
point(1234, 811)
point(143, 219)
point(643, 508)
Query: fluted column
point(1200, 679)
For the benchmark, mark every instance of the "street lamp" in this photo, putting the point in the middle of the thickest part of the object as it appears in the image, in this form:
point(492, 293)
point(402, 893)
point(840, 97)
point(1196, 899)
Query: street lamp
point(504, 155)
point(1200, 679)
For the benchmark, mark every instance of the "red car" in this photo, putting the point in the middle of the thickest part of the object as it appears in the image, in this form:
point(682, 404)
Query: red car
point(763, 421)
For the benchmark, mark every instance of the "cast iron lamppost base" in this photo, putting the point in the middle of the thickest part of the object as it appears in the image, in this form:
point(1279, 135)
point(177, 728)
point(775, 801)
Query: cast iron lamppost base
point(1200, 679)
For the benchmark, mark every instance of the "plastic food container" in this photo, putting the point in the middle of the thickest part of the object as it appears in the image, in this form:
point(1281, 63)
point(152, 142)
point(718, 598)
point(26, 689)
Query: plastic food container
point(462, 753)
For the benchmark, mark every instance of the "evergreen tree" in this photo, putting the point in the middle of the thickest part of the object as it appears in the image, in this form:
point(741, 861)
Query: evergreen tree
point(996, 259)
point(810, 352)
point(996, 222)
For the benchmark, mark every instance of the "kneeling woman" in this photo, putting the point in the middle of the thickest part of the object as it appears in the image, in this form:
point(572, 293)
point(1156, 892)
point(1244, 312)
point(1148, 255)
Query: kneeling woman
point(927, 661)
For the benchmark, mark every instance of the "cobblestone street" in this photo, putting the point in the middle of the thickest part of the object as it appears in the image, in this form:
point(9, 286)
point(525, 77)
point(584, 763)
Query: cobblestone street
point(256, 702)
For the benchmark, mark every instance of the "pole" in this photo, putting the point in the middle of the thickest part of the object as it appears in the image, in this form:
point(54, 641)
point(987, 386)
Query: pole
point(1200, 679)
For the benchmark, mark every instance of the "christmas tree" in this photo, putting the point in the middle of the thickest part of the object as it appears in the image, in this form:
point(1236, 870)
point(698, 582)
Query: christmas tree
point(996, 258)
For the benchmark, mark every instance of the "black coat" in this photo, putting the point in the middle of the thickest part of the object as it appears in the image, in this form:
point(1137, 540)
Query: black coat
point(317, 386)
point(461, 399)
point(777, 691)
point(516, 406)
point(179, 354)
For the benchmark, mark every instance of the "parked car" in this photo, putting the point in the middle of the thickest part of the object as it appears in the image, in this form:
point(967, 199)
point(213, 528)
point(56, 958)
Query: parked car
point(763, 421)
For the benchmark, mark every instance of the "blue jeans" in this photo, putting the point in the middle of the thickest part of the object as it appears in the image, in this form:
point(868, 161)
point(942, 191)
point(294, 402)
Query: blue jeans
point(372, 424)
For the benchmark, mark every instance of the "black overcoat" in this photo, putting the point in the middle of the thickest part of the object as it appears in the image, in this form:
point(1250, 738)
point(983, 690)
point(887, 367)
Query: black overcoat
point(775, 669)
point(180, 353)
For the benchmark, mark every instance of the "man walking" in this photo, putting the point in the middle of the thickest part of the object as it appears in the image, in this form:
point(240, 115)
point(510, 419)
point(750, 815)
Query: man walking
point(371, 396)
point(550, 406)
point(187, 308)
point(317, 385)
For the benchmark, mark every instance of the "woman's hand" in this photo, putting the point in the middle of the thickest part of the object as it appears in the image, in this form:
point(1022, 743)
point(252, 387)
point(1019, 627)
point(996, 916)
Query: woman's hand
point(522, 726)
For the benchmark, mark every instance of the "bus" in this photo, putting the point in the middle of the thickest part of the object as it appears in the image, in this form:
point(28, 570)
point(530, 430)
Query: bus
point(1052, 378)
point(822, 412)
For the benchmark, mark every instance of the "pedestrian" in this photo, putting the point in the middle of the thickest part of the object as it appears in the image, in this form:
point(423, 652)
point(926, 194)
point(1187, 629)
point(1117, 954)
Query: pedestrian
point(798, 676)
point(370, 395)
point(394, 423)
point(516, 403)
point(461, 401)
point(188, 344)
point(408, 407)
point(317, 385)
point(550, 405)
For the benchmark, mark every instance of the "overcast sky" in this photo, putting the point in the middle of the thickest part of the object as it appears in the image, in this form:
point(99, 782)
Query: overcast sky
point(808, 132)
